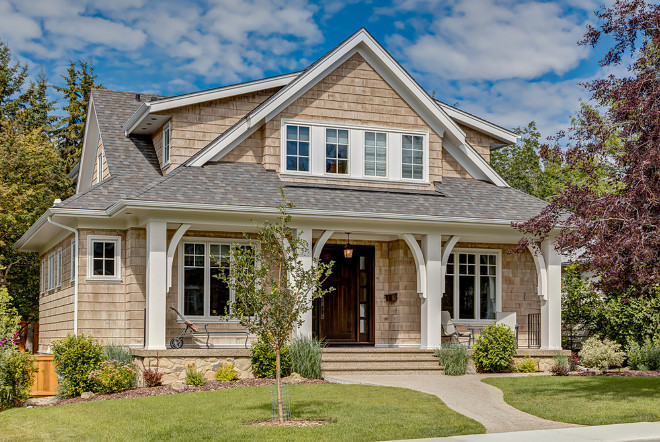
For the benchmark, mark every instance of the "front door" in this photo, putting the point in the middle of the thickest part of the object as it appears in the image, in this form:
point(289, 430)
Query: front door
point(345, 315)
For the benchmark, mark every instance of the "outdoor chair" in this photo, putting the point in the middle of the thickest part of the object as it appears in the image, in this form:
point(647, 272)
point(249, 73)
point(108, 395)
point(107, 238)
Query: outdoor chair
point(192, 330)
point(449, 329)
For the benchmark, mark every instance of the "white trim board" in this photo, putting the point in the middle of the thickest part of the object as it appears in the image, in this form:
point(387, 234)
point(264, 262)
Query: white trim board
point(363, 43)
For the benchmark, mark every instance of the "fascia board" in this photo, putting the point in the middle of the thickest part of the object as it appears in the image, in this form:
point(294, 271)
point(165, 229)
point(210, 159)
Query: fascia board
point(480, 124)
point(84, 167)
point(200, 97)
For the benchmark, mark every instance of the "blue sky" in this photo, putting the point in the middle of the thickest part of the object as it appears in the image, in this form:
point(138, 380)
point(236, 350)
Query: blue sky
point(508, 61)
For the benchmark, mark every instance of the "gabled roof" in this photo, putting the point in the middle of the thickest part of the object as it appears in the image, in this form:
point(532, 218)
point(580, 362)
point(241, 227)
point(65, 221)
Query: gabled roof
point(497, 132)
point(363, 43)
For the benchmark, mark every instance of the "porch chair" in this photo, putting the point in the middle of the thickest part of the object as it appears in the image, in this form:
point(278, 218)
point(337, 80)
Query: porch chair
point(449, 328)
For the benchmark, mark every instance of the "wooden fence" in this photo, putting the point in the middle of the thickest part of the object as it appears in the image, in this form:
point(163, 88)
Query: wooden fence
point(45, 383)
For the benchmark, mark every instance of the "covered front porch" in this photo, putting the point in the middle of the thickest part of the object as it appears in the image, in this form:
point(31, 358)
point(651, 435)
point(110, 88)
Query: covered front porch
point(389, 293)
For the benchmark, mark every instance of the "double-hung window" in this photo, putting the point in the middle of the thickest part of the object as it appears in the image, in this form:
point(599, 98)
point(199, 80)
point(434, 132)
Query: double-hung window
point(375, 154)
point(336, 151)
point(52, 259)
point(58, 272)
point(471, 286)
point(297, 148)
point(103, 258)
point(412, 157)
point(204, 294)
point(166, 145)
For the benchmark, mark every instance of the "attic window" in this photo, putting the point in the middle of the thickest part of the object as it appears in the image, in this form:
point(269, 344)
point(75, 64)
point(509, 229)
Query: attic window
point(166, 145)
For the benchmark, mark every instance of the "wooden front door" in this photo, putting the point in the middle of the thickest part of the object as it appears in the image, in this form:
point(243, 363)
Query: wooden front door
point(345, 315)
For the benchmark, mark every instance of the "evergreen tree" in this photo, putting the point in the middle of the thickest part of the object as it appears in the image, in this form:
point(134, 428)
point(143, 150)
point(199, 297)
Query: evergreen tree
point(12, 80)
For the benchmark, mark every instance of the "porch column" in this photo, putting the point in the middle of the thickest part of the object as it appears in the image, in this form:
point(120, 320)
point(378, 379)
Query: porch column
point(432, 304)
point(307, 261)
point(551, 306)
point(154, 327)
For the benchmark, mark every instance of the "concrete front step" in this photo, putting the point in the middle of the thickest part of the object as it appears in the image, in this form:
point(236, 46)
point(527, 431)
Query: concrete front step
point(369, 360)
point(331, 357)
point(329, 374)
point(381, 365)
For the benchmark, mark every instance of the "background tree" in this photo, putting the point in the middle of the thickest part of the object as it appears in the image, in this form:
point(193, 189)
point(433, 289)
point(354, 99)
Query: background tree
point(611, 215)
point(80, 80)
point(272, 287)
point(581, 309)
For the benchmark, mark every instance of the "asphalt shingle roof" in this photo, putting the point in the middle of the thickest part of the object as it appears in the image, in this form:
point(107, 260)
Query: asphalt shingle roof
point(135, 176)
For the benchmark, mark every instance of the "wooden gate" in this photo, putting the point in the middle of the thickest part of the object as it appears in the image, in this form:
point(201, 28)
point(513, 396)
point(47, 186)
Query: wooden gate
point(45, 383)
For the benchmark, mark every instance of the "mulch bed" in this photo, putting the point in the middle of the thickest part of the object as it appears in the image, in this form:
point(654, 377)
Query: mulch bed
point(165, 389)
point(622, 373)
point(292, 423)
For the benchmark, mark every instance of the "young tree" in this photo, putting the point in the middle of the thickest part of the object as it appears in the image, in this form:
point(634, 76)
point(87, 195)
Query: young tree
point(80, 80)
point(610, 217)
point(272, 287)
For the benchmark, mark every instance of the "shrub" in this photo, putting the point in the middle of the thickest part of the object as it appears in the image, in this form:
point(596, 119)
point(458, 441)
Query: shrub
point(527, 365)
point(559, 370)
point(454, 358)
point(561, 359)
point(75, 357)
point(495, 349)
point(112, 376)
point(152, 378)
point(601, 355)
point(306, 354)
point(226, 372)
point(581, 308)
point(194, 376)
point(630, 317)
point(645, 356)
point(573, 361)
point(119, 353)
point(17, 370)
point(262, 357)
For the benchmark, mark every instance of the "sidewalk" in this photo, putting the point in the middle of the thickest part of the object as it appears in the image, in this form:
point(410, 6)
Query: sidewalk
point(637, 432)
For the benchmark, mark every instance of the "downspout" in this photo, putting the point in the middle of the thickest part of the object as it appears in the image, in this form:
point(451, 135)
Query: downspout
point(75, 275)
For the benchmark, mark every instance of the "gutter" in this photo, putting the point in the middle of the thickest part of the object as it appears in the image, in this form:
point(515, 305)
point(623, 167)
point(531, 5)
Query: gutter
point(75, 274)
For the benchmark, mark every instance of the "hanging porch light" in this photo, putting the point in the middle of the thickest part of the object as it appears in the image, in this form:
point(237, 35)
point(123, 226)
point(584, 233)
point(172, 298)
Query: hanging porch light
point(348, 250)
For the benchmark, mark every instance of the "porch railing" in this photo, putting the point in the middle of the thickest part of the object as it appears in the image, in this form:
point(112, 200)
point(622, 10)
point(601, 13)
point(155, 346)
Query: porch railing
point(534, 330)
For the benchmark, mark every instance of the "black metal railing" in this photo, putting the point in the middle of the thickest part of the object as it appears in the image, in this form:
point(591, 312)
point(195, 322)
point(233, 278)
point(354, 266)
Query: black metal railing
point(534, 330)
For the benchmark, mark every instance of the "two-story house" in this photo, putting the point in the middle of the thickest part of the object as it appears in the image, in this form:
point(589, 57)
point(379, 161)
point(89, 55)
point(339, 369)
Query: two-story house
point(357, 146)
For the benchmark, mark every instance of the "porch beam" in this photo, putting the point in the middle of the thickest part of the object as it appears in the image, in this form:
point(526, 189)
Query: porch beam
point(318, 247)
point(420, 263)
point(156, 305)
point(541, 271)
point(551, 306)
point(174, 242)
point(446, 253)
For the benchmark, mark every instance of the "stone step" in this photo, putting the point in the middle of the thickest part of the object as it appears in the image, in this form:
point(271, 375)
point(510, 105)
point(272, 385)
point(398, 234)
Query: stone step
point(328, 374)
point(379, 357)
point(360, 349)
point(380, 365)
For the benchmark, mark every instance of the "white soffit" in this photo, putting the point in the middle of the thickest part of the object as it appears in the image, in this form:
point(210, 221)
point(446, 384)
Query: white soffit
point(506, 136)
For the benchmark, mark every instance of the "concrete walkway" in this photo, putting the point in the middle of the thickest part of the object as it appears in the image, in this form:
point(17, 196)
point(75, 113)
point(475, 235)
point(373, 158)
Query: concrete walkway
point(638, 432)
point(466, 395)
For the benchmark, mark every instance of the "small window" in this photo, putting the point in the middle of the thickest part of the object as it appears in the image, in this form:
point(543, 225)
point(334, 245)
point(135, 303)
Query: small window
point(166, 145)
point(412, 157)
point(58, 272)
point(103, 257)
point(99, 167)
point(72, 276)
point(375, 154)
point(42, 282)
point(297, 148)
point(336, 151)
point(51, 271)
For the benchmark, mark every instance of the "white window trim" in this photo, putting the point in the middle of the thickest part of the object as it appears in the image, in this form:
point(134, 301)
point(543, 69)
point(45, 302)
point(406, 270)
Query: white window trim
point(90, 262)
point(207, 317)
point(356, 153)
point(498, 285)
point(58, 273)
point(72, 270)
point(166, 161)
point(99, 167)
point(42, 281)
point(51, 271)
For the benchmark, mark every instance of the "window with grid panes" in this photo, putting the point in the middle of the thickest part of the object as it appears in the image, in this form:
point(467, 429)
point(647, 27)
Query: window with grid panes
point(412, 157)
point(375, 154)
point(297, 148)
point(336, 151)
point(471, 286)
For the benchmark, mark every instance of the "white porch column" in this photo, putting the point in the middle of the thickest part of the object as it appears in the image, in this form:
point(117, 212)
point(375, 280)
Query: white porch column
point(154, 327)
point(432, 304)
point(307, 261)
point(551, 307)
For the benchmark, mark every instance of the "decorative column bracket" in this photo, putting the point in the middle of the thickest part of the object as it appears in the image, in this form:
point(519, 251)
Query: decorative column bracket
point(420, 263)
point(174, 242)
point(541, 270)
point(318, 247)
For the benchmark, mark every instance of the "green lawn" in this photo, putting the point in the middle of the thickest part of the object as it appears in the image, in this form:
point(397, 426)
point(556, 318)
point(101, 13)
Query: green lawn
point(584, 400)
point(361, 413)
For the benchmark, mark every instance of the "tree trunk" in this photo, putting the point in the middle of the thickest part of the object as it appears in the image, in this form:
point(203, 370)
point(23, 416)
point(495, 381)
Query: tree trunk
point(29, 338)
point(278, 380)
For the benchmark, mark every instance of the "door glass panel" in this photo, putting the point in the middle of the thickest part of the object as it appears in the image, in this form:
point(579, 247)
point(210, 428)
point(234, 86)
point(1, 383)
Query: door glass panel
point(362, 325)
point(193, 289)
point(487, 295)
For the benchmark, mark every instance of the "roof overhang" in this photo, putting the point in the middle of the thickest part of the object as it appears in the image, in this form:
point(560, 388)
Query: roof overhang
point(501, 134)
point(145, 120)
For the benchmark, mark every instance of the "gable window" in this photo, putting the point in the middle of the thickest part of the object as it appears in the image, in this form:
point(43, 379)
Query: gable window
point(204, 294)
point(336, 151)
point(471, 286)
point(166, 145)
point(103, 257)
point(99, 167)
point(412, 157)
point(375, 154)
point(297, 148)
